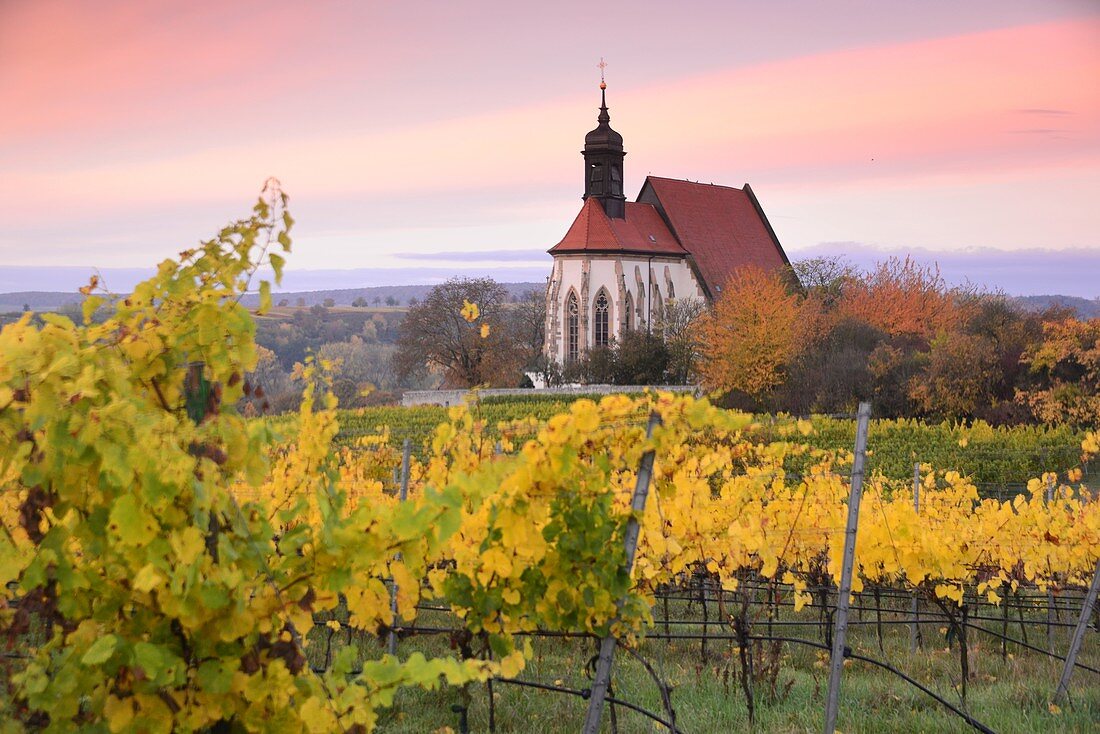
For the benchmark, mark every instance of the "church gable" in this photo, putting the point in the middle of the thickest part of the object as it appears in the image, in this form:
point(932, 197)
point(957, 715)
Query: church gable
point(722, 228)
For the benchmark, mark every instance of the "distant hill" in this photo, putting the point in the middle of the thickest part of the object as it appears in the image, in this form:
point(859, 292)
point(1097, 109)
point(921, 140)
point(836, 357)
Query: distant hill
point(347, 296)
point(1085, 308)
point(38, 300)
point(55, 300)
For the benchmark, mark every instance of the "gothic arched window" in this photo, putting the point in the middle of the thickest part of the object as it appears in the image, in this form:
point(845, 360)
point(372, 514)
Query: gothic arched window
point(573, 316)
point(628, 322)
point(601, 318)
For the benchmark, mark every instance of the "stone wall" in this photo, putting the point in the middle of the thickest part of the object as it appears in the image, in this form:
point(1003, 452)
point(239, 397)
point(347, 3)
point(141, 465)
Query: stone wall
point(454, 397)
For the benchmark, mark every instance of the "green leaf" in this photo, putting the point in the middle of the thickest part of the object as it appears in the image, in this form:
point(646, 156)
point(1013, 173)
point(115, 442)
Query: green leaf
point(130, 523)
point(277, 263)
point(149, 657)
point(100, 651)
point(216, 676)
point(265, 296)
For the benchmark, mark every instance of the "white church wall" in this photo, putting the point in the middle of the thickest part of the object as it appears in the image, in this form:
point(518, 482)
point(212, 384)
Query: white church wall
point(637, 288)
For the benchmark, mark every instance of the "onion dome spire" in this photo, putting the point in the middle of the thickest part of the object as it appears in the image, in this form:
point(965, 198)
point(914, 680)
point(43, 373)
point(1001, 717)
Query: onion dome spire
point(603, 160)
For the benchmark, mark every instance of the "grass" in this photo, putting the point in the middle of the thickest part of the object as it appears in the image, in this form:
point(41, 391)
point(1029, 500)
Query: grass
point(1008, 694)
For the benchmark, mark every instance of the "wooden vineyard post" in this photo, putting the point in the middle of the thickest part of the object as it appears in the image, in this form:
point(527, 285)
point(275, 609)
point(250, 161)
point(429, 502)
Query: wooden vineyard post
point(1050, 591)
point(406, 450)
point(1078, 637)
point(602, 681)
point(840, 634)
point(914, 626)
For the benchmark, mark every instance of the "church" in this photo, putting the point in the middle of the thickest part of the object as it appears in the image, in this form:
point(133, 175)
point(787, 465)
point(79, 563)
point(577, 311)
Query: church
point(622, 262)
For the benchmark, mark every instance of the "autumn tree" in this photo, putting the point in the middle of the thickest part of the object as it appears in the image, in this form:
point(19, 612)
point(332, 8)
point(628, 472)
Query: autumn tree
point(481, 351)
point(752, 335)
point(958, 376)
point(902, 298)
point(1066, 368)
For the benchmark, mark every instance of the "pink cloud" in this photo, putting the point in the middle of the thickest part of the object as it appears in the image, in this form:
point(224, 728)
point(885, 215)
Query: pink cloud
point(134, 109)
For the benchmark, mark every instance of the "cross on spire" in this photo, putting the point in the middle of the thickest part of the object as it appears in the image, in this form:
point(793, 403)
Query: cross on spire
point(602, 65)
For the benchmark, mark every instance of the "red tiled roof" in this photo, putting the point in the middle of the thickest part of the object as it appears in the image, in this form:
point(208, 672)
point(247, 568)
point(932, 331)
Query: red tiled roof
point(721, 227)
point(642, 231)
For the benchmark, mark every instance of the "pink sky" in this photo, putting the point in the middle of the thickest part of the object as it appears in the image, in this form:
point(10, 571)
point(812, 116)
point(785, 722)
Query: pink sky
point(131, 130)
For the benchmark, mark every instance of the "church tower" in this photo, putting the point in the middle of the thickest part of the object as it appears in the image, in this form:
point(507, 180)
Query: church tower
point(603, 163)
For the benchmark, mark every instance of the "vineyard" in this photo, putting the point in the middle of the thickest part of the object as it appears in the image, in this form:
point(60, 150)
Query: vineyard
point(646, 562)
point(999, 460)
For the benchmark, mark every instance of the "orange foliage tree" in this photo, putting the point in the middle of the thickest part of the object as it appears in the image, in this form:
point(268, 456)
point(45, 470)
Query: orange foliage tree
point(902, 298)
point(753, 333)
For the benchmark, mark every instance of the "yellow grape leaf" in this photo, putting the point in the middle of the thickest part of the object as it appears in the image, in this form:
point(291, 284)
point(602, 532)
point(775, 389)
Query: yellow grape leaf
point(119, 713)
point(317, 716)
point(148, 578)
point(512, 663)
point(188, 544)
point(470, 311)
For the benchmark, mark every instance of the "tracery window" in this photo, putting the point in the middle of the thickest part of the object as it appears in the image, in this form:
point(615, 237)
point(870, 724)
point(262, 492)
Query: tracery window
point(601, 319)
point(628, 324)
point(574, 328)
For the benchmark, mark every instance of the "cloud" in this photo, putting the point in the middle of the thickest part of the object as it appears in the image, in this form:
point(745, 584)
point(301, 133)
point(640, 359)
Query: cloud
point(1034, 111)
point(485, 256)
point(1034, 271)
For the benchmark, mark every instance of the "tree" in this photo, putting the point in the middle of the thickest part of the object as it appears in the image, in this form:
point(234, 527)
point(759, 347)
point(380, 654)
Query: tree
point(1066, 368)
point(528, 324)
point(825, 277)
point(329, 302)
point(359, 302)
point(640, 359)
point(958, 377)
point(480, 351)
point(751, 336)
point(677, 328)
point(832, 375)
point(391, 301)
point(902, 298)
point(360, 366)
point(270, 384)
